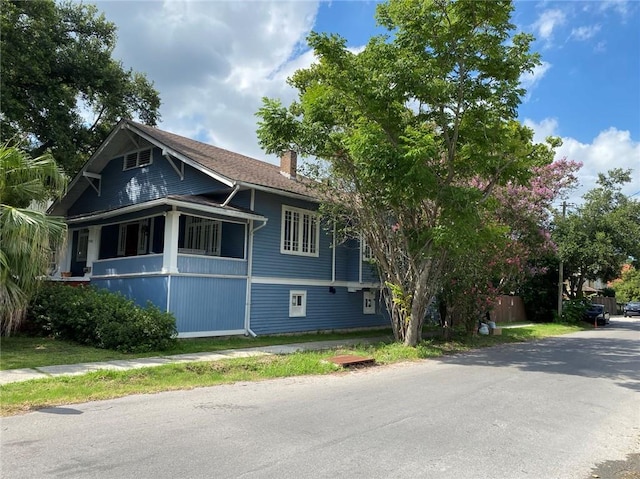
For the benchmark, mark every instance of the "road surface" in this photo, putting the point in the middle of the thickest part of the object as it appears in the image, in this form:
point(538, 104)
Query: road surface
point(549, 409)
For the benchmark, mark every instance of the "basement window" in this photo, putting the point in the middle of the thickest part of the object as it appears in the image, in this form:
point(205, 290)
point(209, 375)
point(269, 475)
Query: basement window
point(369, 302)
point(297, 304)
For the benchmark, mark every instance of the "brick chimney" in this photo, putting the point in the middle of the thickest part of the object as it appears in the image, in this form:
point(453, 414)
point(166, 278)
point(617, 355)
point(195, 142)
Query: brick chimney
point(289, 163)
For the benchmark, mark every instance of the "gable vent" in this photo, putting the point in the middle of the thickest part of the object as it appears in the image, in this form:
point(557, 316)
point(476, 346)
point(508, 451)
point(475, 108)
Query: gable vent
point(144, 157)
point(137, 158)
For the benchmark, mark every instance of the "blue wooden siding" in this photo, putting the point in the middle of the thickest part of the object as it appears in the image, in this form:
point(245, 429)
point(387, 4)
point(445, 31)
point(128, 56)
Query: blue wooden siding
point(211, 265)
point(159, 179)
point(343, 252)
point(208, 304)
point(128, 265)
point(140, 290)
point(353, 260)
point(242, 199)
point(325, 311)
point(267, 259)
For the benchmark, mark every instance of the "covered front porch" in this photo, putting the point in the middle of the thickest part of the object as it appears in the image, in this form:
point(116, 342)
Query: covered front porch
point(186, 254)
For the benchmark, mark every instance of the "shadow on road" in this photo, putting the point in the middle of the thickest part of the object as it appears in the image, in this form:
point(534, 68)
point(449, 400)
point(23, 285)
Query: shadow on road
point(583, 354)
point(627, 469)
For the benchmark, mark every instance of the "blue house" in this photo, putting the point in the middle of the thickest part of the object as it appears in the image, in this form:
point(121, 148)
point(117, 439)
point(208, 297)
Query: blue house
point(228, 244)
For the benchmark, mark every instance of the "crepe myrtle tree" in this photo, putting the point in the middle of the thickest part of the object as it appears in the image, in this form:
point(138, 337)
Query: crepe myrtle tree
point(516, 232)
point(401, 129)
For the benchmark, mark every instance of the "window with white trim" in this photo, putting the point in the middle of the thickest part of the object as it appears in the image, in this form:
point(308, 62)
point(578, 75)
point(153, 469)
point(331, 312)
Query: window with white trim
point(300, 232)
point(365, 250)
point(83, 245)
point(137, 158)
point(369, 302)
point(201, 236)
point(133, 238)
point(297, 304)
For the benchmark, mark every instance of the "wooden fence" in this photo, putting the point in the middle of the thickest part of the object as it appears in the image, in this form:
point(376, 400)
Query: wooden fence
point(508, 309)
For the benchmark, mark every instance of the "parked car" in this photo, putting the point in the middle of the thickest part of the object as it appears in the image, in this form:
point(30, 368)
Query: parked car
point(631, 309)
point(597, 312)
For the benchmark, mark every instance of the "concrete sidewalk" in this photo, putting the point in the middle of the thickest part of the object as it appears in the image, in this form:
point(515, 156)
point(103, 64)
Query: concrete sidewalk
point(17, 375)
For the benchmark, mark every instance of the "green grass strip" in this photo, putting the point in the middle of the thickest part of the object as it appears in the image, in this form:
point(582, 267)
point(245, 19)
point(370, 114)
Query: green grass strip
point(16, 398)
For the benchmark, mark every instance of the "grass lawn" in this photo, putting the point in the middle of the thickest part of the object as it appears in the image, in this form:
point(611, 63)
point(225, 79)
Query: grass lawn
point(30, 395)
point(18, 352)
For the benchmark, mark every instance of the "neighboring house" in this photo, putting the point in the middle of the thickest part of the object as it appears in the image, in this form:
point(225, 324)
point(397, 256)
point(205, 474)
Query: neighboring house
point(227, 243)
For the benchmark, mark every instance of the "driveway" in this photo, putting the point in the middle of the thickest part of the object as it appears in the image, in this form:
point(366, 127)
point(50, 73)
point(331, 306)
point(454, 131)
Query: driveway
point(555, 408)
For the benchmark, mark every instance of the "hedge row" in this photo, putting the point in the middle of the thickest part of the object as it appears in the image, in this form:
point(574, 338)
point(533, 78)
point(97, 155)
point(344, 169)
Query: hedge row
point(99, 318)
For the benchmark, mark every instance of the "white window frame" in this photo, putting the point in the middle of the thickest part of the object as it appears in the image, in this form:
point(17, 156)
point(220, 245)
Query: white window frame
point(369, 302)
point(300, 232)
point(297, 303)
point(365, 251)
point(140, 157)
point(143, 236)
point(82, 247)
point(202, 236)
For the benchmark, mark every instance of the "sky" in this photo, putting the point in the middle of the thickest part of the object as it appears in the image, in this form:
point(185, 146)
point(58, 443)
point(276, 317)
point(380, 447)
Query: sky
point(213, 61)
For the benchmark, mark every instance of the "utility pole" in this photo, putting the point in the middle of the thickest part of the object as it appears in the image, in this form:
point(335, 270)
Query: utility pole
point(560, 272)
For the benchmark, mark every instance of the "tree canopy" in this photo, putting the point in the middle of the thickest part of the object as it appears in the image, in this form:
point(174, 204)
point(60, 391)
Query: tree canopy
point(416, 130)
point(61, 89)
point(28, 236)
point(627, 287)
point(597, 237)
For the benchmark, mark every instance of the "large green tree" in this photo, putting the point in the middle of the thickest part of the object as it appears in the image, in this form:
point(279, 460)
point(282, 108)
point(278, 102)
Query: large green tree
point(415, 131)
point(627, 287)
point(597, 237)
point(61, 89)
point(28, 236)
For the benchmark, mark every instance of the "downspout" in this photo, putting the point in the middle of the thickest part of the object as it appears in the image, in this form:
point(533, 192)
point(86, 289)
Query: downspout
point(247, 306)
point(247, 325)
point(360, 261)
point(333, 261)
point(231, 195)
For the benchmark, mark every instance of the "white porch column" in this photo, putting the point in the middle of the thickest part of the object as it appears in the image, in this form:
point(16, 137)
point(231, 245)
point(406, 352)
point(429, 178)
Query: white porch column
point(93, 248)
point(170, 253)
point(64, 256)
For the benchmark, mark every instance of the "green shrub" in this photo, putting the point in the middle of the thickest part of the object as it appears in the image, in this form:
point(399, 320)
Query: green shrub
point(99, 318)
point(573, 310)
point(138, 330)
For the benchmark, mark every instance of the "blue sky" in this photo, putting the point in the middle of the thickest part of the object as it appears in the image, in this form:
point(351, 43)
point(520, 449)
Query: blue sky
point(213, 61)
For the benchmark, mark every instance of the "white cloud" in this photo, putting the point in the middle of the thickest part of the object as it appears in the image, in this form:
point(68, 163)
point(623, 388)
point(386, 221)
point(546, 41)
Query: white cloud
point(585, 33)
point(611, 148)
point(619, 6)
point(212, 62)
point(542, 130)
point(547, 22)
point(600, 47)
point(530, 80)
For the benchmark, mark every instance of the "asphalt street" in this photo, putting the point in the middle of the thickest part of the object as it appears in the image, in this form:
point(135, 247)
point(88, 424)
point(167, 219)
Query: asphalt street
point(553, 408)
